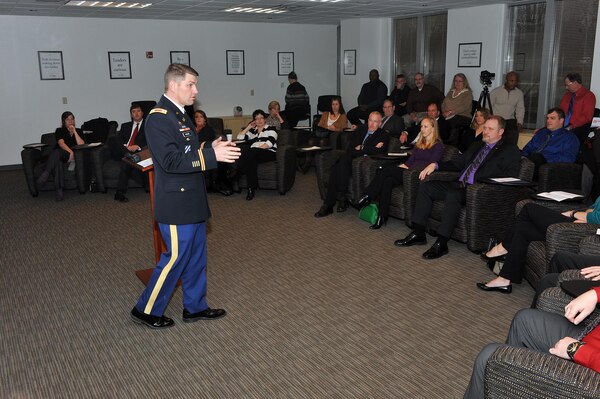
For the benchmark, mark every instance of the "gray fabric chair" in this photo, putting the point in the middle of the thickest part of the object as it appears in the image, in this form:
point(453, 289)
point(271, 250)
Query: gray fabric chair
point(523, 373)
point(489, 211)
point(559, 176)
point(559, 237)
point(277, 175)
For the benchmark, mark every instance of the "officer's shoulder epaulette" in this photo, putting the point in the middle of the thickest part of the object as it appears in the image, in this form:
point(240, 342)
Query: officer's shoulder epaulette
point(158, 110)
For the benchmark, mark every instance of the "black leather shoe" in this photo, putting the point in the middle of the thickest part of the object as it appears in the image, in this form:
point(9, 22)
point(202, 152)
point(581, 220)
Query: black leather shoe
point(60, 194)
point(378, 223)
point(363, 201)
point(206, 314)
point(437, 250)
point(324, 211)
point(486, 258)
point(342, 206)
point(411, 239)
point(119, 196)
point(505, 289)
point(151, 321)
point(250, 195)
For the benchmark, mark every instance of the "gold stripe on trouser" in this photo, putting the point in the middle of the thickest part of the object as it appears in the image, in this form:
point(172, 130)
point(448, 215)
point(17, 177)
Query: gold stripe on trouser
point(165, 270)
point(201, 157)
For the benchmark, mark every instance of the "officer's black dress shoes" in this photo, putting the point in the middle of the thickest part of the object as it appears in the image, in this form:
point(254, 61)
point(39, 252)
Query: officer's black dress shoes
point(155, 322)
point(505, 289)
point(206, 314)
point(380, 221)
point(411, 239)
point(437, 250)
point(324, 211)
point(119, 196)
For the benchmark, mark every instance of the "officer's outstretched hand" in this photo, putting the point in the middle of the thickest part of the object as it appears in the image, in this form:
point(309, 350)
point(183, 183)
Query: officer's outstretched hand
point(225, 151)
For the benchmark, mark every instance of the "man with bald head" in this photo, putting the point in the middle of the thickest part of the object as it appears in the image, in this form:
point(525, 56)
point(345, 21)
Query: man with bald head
point(419, 98)
point(368, 139)
point(370, 98)
point(507, 101)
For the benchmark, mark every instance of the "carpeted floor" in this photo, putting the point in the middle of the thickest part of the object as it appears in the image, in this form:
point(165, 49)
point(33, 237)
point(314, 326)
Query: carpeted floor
point(317, 308)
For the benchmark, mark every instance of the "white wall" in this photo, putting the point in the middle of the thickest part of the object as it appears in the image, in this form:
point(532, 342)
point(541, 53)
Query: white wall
point(485, 24)
point(29, 106)
point(595, 83)
point(372, 40)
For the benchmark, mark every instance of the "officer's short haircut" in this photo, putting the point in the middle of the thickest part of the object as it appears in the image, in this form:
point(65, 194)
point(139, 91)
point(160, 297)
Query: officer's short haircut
point(176, 73)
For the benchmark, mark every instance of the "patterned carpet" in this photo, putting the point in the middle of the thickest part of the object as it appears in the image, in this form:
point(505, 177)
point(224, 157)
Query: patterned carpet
point(317, 308)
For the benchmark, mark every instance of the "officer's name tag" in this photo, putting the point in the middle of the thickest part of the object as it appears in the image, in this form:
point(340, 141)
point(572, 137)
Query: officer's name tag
point(186, 132)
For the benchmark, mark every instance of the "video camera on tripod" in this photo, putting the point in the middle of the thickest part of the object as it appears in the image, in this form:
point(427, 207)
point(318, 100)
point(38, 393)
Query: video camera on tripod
point(486, 78)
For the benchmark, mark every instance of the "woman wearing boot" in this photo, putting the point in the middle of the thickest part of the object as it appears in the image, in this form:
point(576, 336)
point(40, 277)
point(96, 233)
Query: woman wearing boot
point(67, 136)
point(263, 146)
point(428, 149)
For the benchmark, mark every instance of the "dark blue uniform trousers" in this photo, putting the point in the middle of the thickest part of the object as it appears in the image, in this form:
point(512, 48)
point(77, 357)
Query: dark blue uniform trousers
point(185, 258)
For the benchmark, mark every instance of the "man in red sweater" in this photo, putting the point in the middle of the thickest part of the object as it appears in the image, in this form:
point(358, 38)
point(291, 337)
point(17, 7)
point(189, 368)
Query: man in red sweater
point(578, 104)
point(549, 332)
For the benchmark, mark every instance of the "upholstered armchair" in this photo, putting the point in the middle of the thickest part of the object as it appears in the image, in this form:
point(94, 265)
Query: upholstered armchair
point(277, 175)
point(34, 162)
point(559, 237)
point(559, 176)
point(489, 210)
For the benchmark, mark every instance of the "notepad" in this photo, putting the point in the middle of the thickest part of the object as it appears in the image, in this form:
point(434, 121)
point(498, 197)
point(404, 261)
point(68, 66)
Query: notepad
point(146, 162)
point(559, 195)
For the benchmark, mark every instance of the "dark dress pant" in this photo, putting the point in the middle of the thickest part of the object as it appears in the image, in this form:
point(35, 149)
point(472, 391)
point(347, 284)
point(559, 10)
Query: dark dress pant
point(530, 328)
point(454, 197)
point(382, 185)
point(54, 166)
point(249, 160)
point(530, 225)
point(340, 174)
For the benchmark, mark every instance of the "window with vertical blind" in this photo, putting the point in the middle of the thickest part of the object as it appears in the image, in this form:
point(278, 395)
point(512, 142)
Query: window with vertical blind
point(420, 46)
point(546, 41)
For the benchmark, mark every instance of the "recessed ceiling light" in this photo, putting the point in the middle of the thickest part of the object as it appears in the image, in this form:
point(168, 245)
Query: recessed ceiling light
point(109, 4)
point(256, 10)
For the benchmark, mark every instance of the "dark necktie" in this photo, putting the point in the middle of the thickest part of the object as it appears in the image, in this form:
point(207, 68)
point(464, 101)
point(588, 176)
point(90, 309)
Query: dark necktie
point(133, 135)
point(545, 143)
point(570, 111)
point(474, 165)
point(384, 120)
point(365, 139)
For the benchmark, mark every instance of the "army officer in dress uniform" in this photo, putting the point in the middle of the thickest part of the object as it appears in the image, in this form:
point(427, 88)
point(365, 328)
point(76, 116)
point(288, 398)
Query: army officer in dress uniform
point(180, 202)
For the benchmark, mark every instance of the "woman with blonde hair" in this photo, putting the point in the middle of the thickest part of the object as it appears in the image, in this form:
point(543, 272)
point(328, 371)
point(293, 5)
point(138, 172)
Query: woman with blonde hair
point(457, 106)
point(274, 119)
point(428, 149)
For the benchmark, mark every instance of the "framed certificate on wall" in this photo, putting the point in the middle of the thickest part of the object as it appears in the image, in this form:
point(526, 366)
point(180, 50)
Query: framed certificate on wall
point(119, 64)
point(285, 63)
point(180, 57)
point(349, 62)
point(235, 62)
point(51, 65)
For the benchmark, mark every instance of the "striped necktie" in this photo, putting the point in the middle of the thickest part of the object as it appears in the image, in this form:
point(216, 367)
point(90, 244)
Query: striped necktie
point(473, 166)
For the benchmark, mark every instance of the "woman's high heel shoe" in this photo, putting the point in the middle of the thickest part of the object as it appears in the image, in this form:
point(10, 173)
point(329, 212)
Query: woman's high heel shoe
point(488, 259)
point(380, 221)
point(363, 201)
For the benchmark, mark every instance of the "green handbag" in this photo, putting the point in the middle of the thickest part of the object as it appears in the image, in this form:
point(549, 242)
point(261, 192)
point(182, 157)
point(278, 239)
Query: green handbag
point(369, 213)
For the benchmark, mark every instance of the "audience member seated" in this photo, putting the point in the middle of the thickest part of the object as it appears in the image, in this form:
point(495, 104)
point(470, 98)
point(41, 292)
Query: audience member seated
point(419, 99)
point(475, 132)
point(507, 101)
point(588, 265)
point(428, 149)
point(370, 98)
point(334, 121)
point(409, 135)
point(487, 159)
point(400, 94)
point(132, 139)
point(297, 102)
point(391, 123)
point(553, 143)
point(546, 332)
point(367, 140)
point(203, 130)
point(457, 107)
point(67, 136)
point(530, 225)
point(262, 140)
point(578, 104)
point(274, 119)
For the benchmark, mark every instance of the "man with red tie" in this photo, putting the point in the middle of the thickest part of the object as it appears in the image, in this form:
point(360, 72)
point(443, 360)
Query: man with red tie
point(131, 139)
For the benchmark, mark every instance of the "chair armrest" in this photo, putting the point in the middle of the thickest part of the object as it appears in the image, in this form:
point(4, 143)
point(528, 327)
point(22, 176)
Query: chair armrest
point(567, 237)
point(286, 167)
point(557, 206)
point(490, 212)
point(590, 245)
point(559, 176)
point(30, 157)
point(525, 373)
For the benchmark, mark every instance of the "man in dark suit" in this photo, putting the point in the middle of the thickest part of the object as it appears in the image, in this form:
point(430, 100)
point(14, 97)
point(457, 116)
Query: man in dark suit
point(367, 140)
point(433, 111)
point(180, 203)
point(488, 158)
point(370, 98)
point(391, 123)
point(131, 139)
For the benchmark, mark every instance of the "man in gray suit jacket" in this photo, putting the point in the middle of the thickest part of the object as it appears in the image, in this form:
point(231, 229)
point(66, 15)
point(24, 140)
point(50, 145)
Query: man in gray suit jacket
point(391, 123)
